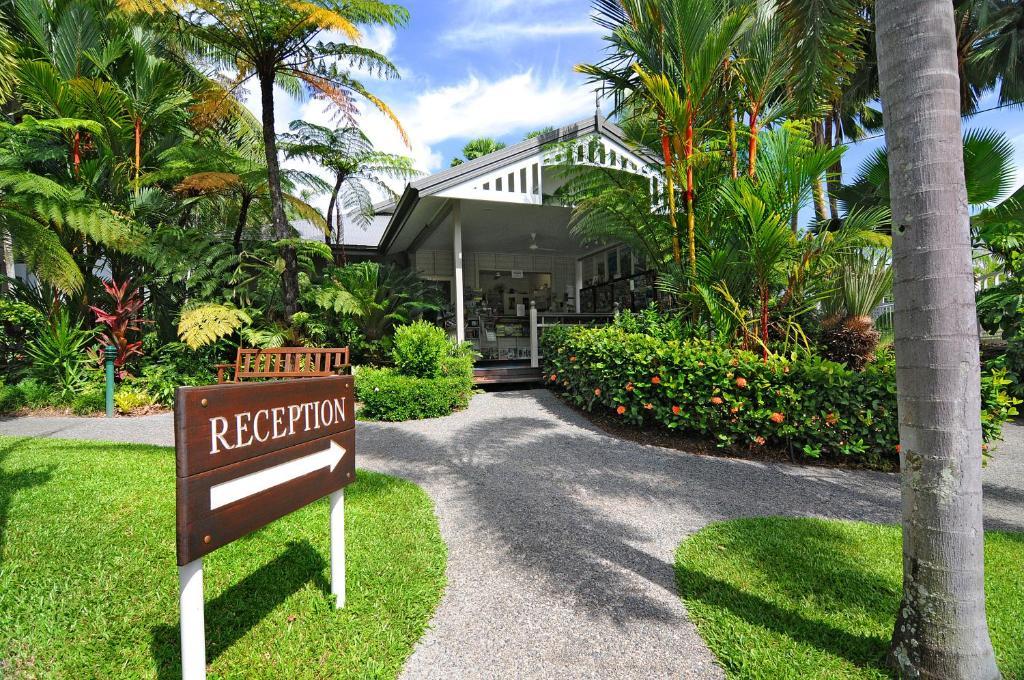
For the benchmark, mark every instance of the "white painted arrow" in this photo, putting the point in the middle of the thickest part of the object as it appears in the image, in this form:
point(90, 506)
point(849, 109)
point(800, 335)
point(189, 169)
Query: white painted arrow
point(253, 483)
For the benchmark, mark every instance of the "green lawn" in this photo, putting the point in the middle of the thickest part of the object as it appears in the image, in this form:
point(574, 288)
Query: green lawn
point(805, 598)
point(89, 586)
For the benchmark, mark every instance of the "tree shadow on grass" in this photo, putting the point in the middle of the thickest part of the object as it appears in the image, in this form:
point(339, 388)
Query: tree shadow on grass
point(241, 607)
point(802, 561)
point(11, 482)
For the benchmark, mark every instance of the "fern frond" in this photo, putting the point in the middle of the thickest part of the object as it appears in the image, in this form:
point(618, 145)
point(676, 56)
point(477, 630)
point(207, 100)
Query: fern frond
point(205, 323)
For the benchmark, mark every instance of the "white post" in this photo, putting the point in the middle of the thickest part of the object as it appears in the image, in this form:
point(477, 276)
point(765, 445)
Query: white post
point(460, 302)
point(193, 633)
point(579, 284)
point(338, 547)
point(534, 336)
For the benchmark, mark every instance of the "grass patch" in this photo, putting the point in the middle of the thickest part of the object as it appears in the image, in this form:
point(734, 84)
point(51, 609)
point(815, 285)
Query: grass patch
point(89, 586)
point(807, 598)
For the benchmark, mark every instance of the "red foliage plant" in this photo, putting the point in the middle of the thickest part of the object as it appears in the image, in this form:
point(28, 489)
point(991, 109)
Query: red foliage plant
point(123, 320)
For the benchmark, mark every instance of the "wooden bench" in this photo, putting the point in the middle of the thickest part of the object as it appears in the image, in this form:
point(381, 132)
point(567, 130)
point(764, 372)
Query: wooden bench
point(284, 362)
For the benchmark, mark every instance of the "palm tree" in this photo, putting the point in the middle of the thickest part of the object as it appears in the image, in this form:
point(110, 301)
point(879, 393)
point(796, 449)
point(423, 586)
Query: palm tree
point(941, 629)
point(669, 57)
point(476, 148)
point(277, 43)
point(357, 168)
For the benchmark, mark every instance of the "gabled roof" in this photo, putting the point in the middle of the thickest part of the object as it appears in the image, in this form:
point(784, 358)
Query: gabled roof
point(478, 167)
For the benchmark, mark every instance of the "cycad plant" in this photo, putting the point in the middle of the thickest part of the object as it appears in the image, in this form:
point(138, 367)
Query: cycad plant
point(863, 281)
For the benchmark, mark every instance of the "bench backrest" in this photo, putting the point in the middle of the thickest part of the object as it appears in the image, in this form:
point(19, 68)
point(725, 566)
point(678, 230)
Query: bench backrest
point(289, 362)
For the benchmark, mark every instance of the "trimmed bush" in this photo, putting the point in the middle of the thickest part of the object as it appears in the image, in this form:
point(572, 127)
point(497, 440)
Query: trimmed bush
point(419, 349)
point(809, 406)
point(388, 395)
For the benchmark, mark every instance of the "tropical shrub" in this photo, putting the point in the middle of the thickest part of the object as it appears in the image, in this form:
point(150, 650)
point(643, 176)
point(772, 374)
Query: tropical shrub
point(121, 325)
point(386, 394)
point(11, 398)
point(18, 323)
point(58, 354)
point(419, 349)
point(433, 376)
point(90, 401)
point(36, 394)
point(167, 367)
point(809, 406)
point(129, 398)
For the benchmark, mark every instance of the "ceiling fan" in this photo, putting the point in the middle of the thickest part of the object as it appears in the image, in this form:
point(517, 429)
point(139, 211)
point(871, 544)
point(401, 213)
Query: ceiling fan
point(535, 247)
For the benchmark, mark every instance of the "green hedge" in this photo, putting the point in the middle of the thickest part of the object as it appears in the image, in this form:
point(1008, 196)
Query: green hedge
point(387, 395)
point(808, 405)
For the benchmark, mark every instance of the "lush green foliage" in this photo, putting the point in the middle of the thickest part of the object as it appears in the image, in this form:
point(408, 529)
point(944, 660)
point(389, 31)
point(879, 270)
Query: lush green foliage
point(433, 376)
point(810, 598)
point(388, 395)
point(19, 323)
point(419, 349)
point(89, 542)
point(58, 354)
point(806, 405)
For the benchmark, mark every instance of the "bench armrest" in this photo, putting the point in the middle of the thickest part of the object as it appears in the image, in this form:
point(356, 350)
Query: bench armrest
point(221, 368)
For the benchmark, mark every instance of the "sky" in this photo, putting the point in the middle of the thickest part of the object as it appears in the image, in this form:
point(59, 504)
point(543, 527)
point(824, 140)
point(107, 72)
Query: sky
point(502, 68)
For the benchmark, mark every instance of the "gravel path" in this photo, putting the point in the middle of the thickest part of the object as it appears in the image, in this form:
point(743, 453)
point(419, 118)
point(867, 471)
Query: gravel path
point(561, 539)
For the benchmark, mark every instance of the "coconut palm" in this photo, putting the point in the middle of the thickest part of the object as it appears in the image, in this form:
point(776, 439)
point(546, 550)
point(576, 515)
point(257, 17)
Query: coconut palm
point(280, 43)
point(357, 168)
point(941, 628)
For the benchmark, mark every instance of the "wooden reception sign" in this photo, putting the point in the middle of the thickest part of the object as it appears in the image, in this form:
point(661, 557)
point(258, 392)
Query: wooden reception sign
point(249, 454)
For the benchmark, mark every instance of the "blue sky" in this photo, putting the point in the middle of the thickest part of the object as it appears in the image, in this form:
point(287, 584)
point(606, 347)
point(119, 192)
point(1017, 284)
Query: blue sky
point(502, 68)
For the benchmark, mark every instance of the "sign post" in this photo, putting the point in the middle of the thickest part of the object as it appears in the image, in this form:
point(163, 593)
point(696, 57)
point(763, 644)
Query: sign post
point(248, 454)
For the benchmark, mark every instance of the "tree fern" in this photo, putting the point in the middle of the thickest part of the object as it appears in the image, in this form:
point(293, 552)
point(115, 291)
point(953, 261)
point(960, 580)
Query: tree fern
point(207, 322)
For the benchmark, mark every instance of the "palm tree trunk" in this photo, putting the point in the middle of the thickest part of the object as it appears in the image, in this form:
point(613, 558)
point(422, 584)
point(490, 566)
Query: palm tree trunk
point(734, 159)
point(765, 297)
point(941, 629)
point(752, 144)
point(820, 207)
point(290, 275)
point(330, 208)
point(690, 227)
point(833, 137)
point(76, 151)
point(243, 217)
point(138, 150)
point(666, 150)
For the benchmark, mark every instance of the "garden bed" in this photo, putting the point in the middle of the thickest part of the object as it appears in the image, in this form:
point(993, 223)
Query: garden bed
point(611, 424)
point(88, 578)
point(806, 598)
point(790, 406)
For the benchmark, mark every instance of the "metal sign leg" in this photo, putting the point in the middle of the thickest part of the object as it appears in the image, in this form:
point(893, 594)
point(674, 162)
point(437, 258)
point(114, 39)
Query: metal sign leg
point(193, 633)
point(338, 546)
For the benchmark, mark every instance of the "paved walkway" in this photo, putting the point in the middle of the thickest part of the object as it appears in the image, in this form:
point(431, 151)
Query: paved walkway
point(561, 539)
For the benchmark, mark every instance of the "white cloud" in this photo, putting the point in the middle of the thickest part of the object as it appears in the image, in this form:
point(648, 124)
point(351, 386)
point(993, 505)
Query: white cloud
point(486, 33)
point(472, 108)
point(478, 107)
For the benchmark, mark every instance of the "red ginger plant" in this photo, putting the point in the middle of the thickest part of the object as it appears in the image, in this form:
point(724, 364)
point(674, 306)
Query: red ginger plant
point(123, 320)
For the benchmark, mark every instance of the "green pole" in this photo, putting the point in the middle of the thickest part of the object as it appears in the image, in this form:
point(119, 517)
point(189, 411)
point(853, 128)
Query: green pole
point(110, 353)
